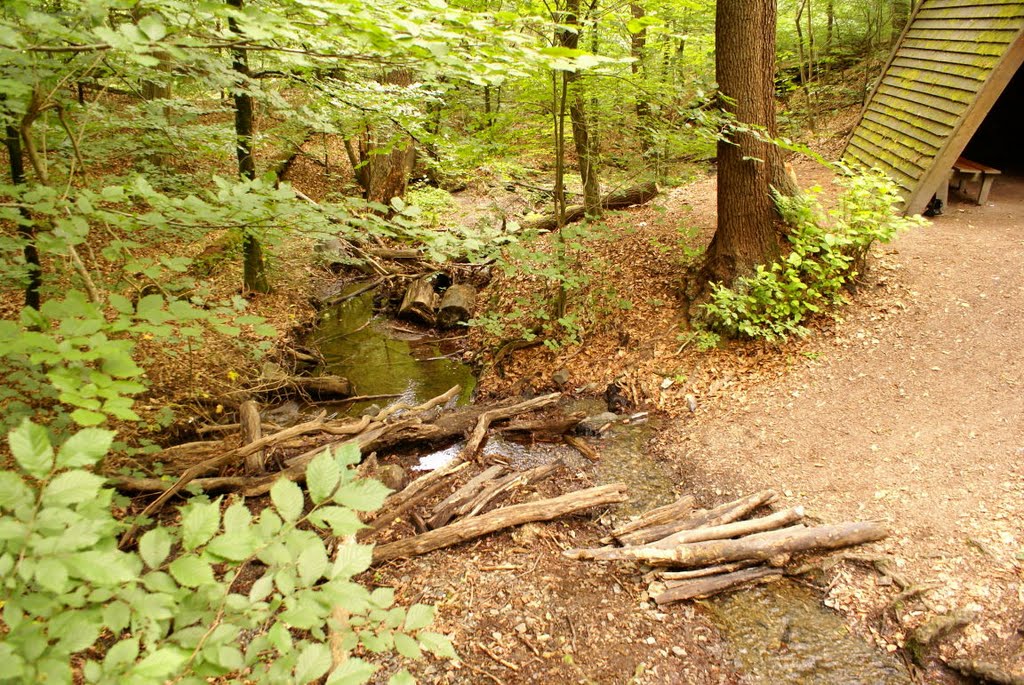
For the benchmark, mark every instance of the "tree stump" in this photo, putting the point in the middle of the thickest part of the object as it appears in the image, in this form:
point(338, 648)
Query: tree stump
point(420, 302)
point(457, 306)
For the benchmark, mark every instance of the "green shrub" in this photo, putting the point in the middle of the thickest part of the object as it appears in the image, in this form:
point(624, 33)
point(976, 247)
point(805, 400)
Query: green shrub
point(220, 592)
point(829, 249)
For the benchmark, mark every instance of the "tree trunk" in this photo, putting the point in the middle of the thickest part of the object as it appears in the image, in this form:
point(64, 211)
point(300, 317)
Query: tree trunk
point(255, 271)
point(637, 50)
point(25, 229)
point(747, 164)
point(386, 156)
point(585, 147)
point(830, 21)
point(900, 14)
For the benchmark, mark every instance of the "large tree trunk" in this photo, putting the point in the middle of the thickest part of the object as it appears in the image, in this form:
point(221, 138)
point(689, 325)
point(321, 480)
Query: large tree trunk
point(747, 164)
point(387, 157)
point(255, 272)
point(584, 142)
point(25, 231)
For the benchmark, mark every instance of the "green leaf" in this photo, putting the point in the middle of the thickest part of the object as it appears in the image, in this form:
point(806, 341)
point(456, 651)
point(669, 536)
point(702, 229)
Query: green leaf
point(199, 523)
point(407, 647)
point(437, 644)
point(362, 495)
point(153, 27)
point(312, 563)
point(85, 448)
point(13, 491)
point(233, 546)
point(121, 365)
point(72, 487)
point(351, 559)
point(30, 445)
point(419, 616)
point(162, 663)
point(347, 454)
point(313, 662)
point(52, 575)
point(322, 476)
point(121, 654)
point(352, 672)
point(87, 417)
point(403, 677)
point(341, 520)
point(287, 498)
point(191, 571)
point(262, 588)
point(154, 546)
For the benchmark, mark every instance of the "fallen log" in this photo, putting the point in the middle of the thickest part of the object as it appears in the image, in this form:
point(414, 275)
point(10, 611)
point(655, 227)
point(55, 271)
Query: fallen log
point(706, 587)
point(731, 530)
point(322, 386)
point(503, 485)
point(499, 519)
point(758, 547)
point(722, 514)
point(558, 425)
point(619, 199)
point(390, 515)
point(457, 306)
point(420, 302)
point(681, 508)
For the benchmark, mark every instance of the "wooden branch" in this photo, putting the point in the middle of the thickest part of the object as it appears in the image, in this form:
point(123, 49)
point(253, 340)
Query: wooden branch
point(674, 578)
point(681, 508)
point(582, 446)
point(216, 463)
point(249, 418)
point(476, 438)
point(731, 530)
point(759, 547)
point(724, 513)
point(390, 515)
point(444, 510)
point(499, 519)
point(554, 426)
point(490, 493)
point(713, 585)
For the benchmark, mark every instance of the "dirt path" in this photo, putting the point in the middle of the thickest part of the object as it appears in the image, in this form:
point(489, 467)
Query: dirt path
point(910, 412)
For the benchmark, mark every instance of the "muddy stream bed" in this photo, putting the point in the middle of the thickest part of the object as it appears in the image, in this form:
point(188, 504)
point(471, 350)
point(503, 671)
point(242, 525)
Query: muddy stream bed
point(777, 633)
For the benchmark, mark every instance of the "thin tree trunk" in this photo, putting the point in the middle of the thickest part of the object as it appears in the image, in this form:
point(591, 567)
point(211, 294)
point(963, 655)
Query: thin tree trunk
point(25, 230)
point(900, 15)
point(578, 116)
point(254, 271)
point(638, 48)
point(830, 20)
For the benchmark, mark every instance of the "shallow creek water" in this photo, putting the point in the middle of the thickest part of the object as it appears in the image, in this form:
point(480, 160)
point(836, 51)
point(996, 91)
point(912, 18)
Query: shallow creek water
point(775, 634)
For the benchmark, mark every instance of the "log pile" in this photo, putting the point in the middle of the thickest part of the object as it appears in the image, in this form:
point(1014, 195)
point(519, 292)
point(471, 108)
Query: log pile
point(700, 553)
point(249, 461)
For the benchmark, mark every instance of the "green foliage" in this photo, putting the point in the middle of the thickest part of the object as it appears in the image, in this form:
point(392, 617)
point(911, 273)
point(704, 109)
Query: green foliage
point(432, 202)
point(829, 249)
point(223, 592)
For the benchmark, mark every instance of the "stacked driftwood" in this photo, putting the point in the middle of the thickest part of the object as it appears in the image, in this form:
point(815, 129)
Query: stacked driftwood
point(700, 553)
point(252, 467)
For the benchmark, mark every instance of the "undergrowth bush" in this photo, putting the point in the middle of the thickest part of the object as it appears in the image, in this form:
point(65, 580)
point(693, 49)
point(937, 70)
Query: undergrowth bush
point(219, 592)
point(829, 249)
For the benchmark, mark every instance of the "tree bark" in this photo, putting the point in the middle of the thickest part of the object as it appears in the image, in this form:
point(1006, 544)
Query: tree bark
point(747, 164)
point(581, 134)
point(255, 271)
point(386, 156)
point(637, 50)
point(713, 585)
point(506, 517)
point(26, 231)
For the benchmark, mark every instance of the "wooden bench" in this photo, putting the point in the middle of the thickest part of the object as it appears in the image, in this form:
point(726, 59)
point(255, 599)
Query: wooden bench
point(965, 171)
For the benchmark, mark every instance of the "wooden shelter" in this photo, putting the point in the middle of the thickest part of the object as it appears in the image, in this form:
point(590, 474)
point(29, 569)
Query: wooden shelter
point(951, 65)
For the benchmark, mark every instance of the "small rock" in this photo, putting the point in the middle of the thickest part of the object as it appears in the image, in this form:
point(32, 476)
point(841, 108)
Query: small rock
point(678, 651)
point(392, 476)
point(691, 403)
point(560, 378)
point(520, 628)
point(371, 411)
point(592, 425)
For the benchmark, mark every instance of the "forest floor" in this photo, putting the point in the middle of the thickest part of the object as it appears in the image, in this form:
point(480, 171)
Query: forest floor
point(908, 410)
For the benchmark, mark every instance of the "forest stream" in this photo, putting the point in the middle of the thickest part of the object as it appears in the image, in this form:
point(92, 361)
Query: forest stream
point(771, 634)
